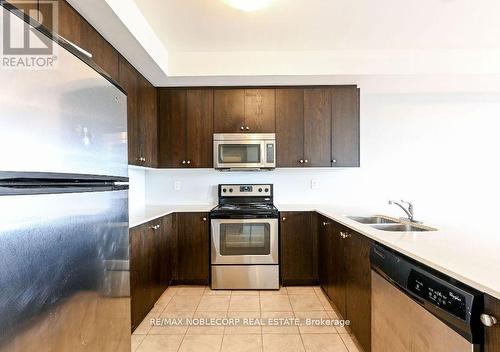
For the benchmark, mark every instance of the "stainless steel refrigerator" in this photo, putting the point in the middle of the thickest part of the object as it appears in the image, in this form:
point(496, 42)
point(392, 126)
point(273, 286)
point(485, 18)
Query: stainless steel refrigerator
point(64, 245)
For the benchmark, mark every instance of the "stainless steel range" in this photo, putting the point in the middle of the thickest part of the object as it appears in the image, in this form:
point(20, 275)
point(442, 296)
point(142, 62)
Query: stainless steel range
point(244, 237)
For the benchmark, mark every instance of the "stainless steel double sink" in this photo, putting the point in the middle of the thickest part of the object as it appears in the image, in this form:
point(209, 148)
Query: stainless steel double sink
point(386, 223)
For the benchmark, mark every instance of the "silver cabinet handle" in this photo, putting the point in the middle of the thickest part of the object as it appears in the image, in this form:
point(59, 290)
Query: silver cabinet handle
point(301, 161)
point(283, 218)
point(183, 162)
point(141, 159)
point(334, 161)
point(189, 162)
point(204, 219)
point(345, 235)
point(325, 223)
point(488, 320)
point(306, 161)
point(247, 128)
point(242, 128)
point(83, 51)
point(155, 227)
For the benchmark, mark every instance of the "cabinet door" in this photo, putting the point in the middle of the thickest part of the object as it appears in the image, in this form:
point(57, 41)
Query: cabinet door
point(260, 110)
point(337, 269)
point(166, 250)
point(345, 126)
point(148, 119)
point(192, 248)
point(492, 334)
point(29, 8)
point(141, 252)
point(297, 244)
point(229, 110)
point(129, 80)
point(324, 252)
point(199, 131)
point(317, 127)
point(172, 127)
point(70, 24)
point(358, 283)
point(103, 53)
point(289, 127)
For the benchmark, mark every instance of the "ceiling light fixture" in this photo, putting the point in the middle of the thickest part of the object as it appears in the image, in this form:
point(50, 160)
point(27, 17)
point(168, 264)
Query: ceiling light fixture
point(248, 5)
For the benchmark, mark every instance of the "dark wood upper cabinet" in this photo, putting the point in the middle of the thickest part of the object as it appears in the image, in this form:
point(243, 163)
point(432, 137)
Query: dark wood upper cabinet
point(73, 27)
point(289, 126)
point(141, 95)
point(260, 110)
point(172, 124)
point(244, 110)
point(148, 122)
point(29, 8)
point(317, 127)
point(192, 248)
point(70, 24)
point(185, 128)
point(303, 127)
point(199, 131)
point(141, 116)
point(298, 249)
point(345, 126)
point(229, 110)
point(492, 334)
point(129, 80)
point(103, 53)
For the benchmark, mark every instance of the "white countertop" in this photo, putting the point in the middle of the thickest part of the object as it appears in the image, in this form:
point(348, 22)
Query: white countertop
point(150, 212)
point(471, 261)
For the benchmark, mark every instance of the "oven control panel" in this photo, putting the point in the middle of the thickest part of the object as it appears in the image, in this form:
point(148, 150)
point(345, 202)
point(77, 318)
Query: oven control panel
point(246, 190)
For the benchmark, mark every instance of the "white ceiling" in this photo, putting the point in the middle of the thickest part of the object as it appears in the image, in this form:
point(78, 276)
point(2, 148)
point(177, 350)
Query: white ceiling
point(291, 25)
point(196, 42)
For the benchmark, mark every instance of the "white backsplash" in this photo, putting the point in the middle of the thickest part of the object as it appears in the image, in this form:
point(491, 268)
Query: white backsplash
point(437, 150)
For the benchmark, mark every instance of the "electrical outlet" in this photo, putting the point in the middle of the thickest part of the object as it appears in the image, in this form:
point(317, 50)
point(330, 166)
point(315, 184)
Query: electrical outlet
point(177, 185)
point(314, 184)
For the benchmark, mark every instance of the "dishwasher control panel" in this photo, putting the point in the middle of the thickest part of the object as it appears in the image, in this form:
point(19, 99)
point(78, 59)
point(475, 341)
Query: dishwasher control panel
point(437, 294)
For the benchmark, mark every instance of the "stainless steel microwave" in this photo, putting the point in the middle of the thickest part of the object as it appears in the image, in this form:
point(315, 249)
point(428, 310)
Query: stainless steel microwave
point(244, 151)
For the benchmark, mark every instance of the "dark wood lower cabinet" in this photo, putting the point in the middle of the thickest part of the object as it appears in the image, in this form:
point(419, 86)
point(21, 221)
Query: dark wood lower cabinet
point(298, 249)
point(358, 286)
point(492, 334)
point(151, 249)
point(192, 248)
point(173, 248)
point(141, 262)
point(344, 275)
point(337, 285)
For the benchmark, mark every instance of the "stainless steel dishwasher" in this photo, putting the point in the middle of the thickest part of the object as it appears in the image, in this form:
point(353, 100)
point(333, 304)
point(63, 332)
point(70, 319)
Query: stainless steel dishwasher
point(417, 309)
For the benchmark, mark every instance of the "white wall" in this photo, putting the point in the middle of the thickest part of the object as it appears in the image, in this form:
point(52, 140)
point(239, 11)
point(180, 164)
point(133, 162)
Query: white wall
point(137, 188)
point(437, 150)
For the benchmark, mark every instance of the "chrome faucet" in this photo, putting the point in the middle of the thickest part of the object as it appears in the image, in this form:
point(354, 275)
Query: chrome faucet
point(408, 210)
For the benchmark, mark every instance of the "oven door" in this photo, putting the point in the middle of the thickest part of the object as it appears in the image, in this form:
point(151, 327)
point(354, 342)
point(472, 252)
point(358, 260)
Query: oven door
point(239, 154)
point(244, 241)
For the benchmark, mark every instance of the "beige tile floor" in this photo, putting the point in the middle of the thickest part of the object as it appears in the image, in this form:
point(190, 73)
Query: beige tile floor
point(180, 302)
